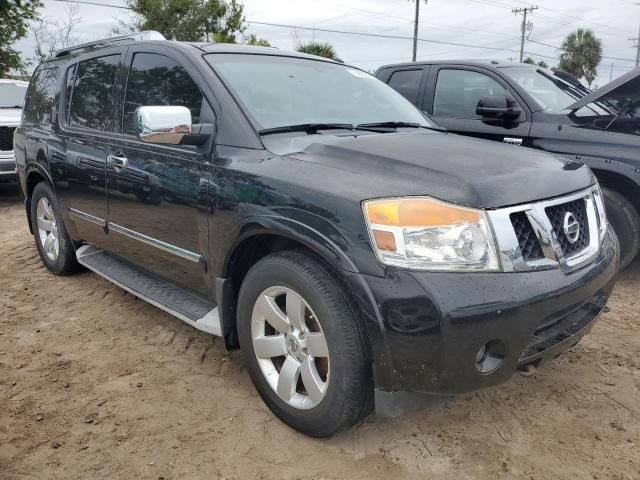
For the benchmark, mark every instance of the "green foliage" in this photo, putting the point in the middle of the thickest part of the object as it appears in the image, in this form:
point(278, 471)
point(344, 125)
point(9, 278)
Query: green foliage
point(322, 49)
point(191, 20)
point(257, 42)
point(531, 61)
point(15, 16)
point(582, 54)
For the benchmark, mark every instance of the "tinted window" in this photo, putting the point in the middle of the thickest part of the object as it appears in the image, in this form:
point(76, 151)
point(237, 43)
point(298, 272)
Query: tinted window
point(458, 92)
point(92, 95)
point(158, 80)
point(407, 83)
point(41, 97)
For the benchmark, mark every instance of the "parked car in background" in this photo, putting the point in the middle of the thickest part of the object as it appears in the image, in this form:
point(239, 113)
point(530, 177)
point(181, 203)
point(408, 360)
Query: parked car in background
point(314, 218)
point(530, 106)
point(12, 94)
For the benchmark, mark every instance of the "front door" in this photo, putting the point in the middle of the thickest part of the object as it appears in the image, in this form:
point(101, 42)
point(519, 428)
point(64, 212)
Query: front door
point(452, 99)
point(157, 194)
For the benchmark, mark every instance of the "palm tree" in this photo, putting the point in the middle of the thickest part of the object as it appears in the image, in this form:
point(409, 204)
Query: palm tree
point(582, 54)
point(322, 49)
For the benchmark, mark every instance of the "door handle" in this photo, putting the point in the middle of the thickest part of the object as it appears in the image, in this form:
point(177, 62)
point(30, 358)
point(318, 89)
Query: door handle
point(117, 161)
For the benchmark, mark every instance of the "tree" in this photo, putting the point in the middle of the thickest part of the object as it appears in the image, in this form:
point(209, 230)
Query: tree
point(322, 49)
point(190, 20)
point(15, 15)
point(50, 35)
point(582, 54)
point(255, 41)
point(531, 61)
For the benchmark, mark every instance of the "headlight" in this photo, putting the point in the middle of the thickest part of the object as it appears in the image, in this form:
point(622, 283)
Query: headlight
point(422, 233)
point(600, 209)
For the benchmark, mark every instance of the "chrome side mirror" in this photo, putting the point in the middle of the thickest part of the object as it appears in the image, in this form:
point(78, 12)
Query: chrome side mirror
point(162, 124)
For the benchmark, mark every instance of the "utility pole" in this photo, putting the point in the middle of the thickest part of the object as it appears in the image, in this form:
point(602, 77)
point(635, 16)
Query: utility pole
point(637, 45)
point(415, 29)
point(523, 28)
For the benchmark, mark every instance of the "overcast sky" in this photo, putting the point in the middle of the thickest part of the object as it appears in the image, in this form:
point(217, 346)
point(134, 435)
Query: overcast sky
point(482, 23)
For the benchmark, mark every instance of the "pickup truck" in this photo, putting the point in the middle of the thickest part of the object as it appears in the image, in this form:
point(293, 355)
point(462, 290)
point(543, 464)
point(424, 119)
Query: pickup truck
point(529, 106)
point(312, 217)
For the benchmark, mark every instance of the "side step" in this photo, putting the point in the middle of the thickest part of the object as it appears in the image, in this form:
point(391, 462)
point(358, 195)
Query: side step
point(190, 308)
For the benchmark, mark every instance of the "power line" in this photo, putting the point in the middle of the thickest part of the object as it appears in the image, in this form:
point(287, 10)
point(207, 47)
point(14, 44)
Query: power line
point(83, 2)
point(560, 48)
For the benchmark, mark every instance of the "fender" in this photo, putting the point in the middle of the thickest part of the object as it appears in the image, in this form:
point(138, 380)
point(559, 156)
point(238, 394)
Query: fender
point(30, 168)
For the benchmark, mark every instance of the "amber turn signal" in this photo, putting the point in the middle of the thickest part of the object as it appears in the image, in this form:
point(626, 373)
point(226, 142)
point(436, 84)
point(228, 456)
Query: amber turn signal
point(418, 212)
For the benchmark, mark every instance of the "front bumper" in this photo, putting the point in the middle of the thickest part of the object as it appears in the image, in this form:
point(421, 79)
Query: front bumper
point(427, 329)
point(7, 166)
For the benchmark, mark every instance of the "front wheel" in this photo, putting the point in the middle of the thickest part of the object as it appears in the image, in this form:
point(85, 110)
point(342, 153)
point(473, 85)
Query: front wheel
point(303, 345)
point(625, 220)
point(52, 240)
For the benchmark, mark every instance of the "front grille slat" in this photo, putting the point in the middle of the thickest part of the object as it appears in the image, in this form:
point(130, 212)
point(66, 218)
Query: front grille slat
point(6, 138)
point(527, 239)
point(556, 215)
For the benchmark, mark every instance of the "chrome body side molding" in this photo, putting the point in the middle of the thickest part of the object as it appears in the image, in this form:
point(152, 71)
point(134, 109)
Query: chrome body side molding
point(87, 217)
point(154, 242)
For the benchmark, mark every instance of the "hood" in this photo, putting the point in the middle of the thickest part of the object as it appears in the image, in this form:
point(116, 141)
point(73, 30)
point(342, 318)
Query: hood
point(453, 168)
point(10, 116)
point(626, 87)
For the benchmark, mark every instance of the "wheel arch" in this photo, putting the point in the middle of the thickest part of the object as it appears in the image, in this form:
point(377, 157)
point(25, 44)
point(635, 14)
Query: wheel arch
point(256, 240)
point(34, 174)
point(621, 184)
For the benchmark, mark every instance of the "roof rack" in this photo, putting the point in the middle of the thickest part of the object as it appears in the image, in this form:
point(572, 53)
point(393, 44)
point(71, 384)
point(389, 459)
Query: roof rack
point(139, 36)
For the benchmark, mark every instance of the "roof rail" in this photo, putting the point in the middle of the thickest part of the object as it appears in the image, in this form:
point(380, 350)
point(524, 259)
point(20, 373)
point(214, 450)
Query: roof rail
point(139, 36)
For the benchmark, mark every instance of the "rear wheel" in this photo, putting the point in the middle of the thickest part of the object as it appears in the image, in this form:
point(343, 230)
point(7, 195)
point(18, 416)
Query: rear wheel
point(625, 220)
point(52, 240)
point(303, 346)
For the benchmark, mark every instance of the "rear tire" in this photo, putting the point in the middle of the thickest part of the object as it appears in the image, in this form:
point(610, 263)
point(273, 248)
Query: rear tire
point(625, 220)
point(52, 239)
point(342, 365)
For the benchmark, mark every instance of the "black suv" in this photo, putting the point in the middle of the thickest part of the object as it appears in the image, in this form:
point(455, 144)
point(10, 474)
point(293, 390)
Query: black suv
point(527, 105)
point(311, 216)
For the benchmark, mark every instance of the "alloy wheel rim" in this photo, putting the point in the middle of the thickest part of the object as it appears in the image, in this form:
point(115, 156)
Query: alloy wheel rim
point(290, 347)
point(48, 229)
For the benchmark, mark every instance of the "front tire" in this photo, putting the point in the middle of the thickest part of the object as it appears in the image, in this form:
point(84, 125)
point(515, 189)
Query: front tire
point(625, 220)
point(303, 346)
point(52, 240)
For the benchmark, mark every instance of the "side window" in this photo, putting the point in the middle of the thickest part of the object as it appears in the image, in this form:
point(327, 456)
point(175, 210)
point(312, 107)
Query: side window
point(407, 83)
point(92, 96)
point(159, 80)
point(458, 92)
point(41, 98)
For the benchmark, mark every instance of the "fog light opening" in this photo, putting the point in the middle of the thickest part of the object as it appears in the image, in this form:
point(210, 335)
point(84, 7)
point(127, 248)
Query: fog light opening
point(490, 356)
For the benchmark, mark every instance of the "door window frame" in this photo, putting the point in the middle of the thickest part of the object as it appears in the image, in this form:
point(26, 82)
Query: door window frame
point(429, 94)
point(421, 84)
point(64, 105)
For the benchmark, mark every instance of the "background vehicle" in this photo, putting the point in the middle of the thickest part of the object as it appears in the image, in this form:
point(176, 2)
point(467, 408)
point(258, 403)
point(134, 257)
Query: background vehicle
point(318, 236)
point(534, 107)
point(12, 93)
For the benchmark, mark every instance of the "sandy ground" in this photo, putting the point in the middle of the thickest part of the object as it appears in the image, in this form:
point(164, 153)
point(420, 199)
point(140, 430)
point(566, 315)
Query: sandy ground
point(97, 384)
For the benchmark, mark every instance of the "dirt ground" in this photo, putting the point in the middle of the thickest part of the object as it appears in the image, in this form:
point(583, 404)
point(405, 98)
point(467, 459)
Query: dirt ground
point(97, 384)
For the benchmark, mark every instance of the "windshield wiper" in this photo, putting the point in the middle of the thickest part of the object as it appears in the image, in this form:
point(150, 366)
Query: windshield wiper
point(309, 128)
point(397, 125)
point(12, 106)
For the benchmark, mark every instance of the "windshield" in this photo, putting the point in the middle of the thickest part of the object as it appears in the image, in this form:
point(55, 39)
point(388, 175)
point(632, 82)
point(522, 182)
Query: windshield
point(12, 95)
point(282, 91)
point(553, 94)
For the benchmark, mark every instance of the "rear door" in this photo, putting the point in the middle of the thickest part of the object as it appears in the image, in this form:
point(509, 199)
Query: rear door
point(451, 98)
point(157, 194)
point(87, 120)
point(409, 82)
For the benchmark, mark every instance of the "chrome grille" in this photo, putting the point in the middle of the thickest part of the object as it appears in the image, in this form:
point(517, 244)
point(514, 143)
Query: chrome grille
point(6, 138)
point(532, 237)
point(556, 216)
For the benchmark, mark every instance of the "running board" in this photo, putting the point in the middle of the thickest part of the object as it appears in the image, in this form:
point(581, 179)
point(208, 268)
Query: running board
point(190, 308)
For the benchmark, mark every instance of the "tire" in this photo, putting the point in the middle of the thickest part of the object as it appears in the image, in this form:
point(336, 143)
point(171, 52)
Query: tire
point(64, 262)
point(348, 389)
point(625, 220)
